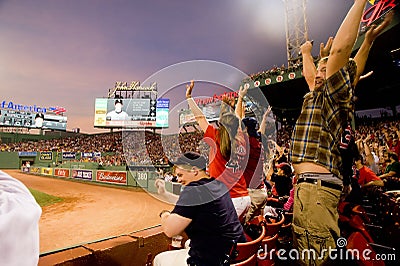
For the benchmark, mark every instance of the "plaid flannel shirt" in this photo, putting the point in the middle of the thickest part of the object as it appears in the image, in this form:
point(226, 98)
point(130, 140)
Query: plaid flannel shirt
point(323, 117)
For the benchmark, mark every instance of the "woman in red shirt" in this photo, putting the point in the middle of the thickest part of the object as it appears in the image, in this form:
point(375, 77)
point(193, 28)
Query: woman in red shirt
point(228, 150)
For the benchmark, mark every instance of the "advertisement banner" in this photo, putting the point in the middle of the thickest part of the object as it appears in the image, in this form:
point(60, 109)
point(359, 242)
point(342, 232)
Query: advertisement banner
point(35, 170)
point(29, 119)
point(46, 156)
point(86, 154)
point(60, 172)
point(46, 171)
point(69, 155)
point(113, 177)
point(82, 174)
point(27, 154)
point(133, 112)
point(162, 112)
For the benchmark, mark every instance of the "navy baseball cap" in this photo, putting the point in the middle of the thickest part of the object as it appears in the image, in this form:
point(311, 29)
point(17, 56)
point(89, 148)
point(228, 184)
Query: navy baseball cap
point(252, 126)
point(192, 159)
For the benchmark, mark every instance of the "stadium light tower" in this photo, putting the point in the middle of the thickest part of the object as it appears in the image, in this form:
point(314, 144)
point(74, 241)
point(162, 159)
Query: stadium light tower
point(296, 28)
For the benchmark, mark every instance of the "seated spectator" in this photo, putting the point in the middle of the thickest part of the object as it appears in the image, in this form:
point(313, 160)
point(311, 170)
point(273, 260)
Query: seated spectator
point(205, 212)
point(392, 167)
point(365, 176)
point(282, 180)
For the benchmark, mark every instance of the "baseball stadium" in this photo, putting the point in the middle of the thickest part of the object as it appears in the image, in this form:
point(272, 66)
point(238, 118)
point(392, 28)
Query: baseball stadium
point(98, 198)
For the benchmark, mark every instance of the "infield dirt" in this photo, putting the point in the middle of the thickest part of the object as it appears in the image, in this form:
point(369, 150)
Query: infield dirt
point(90, 212)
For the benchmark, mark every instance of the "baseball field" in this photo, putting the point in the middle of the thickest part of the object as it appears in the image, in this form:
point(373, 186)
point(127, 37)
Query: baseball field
point(89, 212)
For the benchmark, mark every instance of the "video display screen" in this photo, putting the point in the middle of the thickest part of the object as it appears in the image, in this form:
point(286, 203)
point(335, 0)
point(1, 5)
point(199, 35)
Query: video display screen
point(132, 112)
point(14, 118)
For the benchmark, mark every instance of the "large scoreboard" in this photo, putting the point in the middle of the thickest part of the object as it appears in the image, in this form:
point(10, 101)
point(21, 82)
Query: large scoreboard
point(16, 115)
point(132, 106)
point(11, 118)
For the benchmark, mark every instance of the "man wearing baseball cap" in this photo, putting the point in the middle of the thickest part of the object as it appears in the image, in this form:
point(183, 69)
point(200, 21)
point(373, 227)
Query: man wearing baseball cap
point(117, 113)
point(205, 212)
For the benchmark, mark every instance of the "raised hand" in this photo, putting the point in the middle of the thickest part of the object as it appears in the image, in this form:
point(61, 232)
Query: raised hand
point(189, 89)
point(230, 101)
point(160, 185)
point(325, 49)
point(306, 47)
point(243, 90)
point(375, 30)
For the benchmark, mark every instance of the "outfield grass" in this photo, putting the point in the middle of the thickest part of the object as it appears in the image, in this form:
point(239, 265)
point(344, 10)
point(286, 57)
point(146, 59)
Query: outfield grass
point(44, 199)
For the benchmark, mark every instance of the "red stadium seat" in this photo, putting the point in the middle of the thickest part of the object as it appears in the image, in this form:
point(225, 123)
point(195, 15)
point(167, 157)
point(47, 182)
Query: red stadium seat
point(274, 226)
point(356, 244)
point(246, 250)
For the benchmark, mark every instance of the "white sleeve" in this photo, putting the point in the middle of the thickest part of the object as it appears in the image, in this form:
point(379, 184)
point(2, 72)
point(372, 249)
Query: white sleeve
point(19, 223)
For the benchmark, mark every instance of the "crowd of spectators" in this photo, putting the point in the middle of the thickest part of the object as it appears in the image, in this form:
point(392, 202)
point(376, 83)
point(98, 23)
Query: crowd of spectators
point(127, 148)
point(276, 70)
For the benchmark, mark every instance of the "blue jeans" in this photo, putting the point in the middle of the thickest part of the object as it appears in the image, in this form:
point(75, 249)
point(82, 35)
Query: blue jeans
point(315, 222)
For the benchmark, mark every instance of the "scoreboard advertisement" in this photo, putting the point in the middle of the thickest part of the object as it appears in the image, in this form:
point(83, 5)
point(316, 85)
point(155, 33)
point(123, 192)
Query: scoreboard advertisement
point(125, 113)
point(210, 111)
point(27, 119)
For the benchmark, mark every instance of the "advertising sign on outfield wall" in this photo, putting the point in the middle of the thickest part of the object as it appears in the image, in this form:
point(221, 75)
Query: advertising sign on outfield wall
point(27, 154)
point(46, 171)
point(82, 174)
point(61, 172)
point(46, 156)
point(113, 177)
point(35, 170)
point(69, 155)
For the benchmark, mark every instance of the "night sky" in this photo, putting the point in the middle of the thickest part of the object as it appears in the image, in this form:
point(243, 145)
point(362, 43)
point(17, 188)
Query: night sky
point(67, 53)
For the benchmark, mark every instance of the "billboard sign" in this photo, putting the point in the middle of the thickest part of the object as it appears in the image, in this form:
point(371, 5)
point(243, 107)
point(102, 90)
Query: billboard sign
point(113, 177)
point(35, 170)
point(162, 111)
point(46, 171)
point(82, 174)
point(131, 112)
point(61, 172)
point(46, 156)
point(16, 118)
point(211, 112)
point(27, 154)
point(67, 155)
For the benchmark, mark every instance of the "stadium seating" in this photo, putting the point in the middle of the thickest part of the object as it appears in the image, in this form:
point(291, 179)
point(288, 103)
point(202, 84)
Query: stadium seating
point(356, 244)
point(243, 251)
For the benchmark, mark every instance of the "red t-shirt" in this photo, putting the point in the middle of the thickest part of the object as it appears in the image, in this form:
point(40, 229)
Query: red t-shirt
point(366, 176)
point(228, 172)
point(395, 149)
point(253, 174)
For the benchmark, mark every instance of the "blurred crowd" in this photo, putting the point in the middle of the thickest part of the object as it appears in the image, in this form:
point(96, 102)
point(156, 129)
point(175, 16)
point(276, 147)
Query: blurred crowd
point(141, 148)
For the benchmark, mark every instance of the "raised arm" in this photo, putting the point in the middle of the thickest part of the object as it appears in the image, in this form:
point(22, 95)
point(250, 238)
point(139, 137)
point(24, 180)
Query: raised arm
point(345, 38)
point(324, 49)
point(309, 69)
point(198, 114)
point(369, 157)
point(263, 124)
point(370, 36)
point(163, 193)
point(239, 110)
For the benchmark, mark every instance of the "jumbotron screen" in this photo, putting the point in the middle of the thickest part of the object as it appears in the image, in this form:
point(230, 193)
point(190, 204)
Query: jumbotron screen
point(211, 112)
point(16, 118)
point(131, 113)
